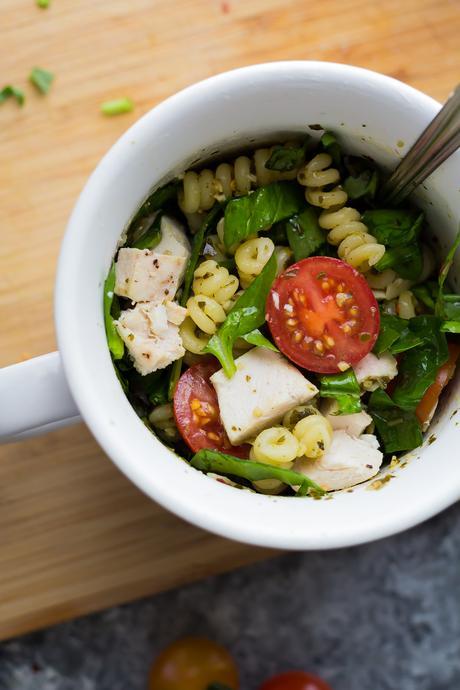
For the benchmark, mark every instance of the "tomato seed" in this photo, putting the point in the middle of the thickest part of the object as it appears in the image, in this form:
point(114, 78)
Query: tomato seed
point(319, 346)
point(297, 336)
point(292, 322)
point(325, 286)
point(354, 310)
point(330, 342)
point(211, 435)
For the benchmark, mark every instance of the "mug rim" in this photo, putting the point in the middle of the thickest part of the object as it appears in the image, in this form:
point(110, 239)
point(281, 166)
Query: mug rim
point(67, 347)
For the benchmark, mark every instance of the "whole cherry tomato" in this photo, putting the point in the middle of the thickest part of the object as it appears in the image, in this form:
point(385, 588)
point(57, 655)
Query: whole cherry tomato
point(295, 680)
point(193, 663)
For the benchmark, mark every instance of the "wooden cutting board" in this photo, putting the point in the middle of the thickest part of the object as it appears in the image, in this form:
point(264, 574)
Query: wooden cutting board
point(75, 535)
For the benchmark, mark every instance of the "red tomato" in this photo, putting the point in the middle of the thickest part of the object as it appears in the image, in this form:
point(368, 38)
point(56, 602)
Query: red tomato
point(197, 411)
point(193, 663)
point(295, 680)
point(322, 314)
point(428, 403)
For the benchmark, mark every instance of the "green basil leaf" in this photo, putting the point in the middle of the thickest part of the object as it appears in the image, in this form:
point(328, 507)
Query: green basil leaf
point(10, 91)
point(141, 222)
point(363, 185)
point(247, 215)
point(258, 339)
point(420, 365)
point(393, 227)
point(398, 429)
point(247, 314)
point(114, 341)
point(445, 268)
point(284, 158)
point(450, 327)
point(331, 146)
point(213, 461)
point(344, 388)
point(407, 261)
point(304, 234)
point(151, 235)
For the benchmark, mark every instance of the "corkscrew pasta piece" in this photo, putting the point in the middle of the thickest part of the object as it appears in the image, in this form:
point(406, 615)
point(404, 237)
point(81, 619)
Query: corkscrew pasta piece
point(193, 339)
point(215, 281)
point(317, 174)
point(200, 190)
point(405, 306)
point(276, 446)
point(162, 419)
point(386, 285)
point(284, 257)
point(251, 257)
point(355, 245)
point(206, 313)
point(314, 434)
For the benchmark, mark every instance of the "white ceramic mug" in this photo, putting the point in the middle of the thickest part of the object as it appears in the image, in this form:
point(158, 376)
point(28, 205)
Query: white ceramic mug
point(373, 114)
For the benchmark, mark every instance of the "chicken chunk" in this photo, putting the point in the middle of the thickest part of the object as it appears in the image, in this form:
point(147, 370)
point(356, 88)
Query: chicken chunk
point(348, 461)
point(264, 387)
point(147, 276)
point(353, 424)
point(173, 241)
point(375, 372)
point(152, 340)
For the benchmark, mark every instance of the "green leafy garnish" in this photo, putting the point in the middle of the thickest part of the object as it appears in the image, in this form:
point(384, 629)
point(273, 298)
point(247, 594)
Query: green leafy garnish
point(10, 91)
point(152, 235)
point(114, 341)
point(258, 339)
point(363, 185)
point(420, 365)
point(445, 268)
point(247, 314)
point(285, 158)
point(143, 219)
point(304, 234)
point(247, 215)
point(398, 429)
point(395, 335)
point(406, 260)
point(117, 106)
point(41, 79)
point(344, 388)
point(450, 327)
point(331, 146)
point(398, 230)
point(213, 461)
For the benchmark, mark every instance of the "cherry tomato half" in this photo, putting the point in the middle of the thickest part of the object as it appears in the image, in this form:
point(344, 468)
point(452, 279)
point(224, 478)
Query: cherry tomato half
point(295, 680)
point(196, 411)
point(193, 663)
point(322, 314)
point(428, 403)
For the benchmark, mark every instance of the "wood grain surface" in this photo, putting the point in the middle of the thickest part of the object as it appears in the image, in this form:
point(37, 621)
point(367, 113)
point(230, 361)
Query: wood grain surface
point(75, 535)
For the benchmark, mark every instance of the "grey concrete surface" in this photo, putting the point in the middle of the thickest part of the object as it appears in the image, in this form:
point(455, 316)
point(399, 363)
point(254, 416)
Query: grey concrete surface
point(383, 616)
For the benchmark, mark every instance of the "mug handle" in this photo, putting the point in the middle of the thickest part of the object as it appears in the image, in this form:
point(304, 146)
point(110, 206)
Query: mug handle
point(35, 398)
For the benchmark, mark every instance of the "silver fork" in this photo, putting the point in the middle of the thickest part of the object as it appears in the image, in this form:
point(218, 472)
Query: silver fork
point(436, 143)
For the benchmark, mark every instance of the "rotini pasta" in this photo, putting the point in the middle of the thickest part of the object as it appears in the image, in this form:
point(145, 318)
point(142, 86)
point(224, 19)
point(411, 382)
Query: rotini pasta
point(297, 413)
point(314, 434)
point(317, 174)
point(162, 419)
point(215, 281)
point(405, 306)
point(193, 339)
point(206, 312)
point(251, 257)
point(200, 190)
point(386, 285)
point(283, 257)
point(276, 446)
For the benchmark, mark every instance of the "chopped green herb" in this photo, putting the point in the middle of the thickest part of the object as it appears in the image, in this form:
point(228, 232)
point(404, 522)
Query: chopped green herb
point(41, 79)
point(12, 92)
point(117, 107)
point(44, 4)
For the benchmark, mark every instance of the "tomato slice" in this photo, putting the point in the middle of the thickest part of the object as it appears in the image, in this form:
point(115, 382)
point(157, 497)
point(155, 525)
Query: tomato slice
point(196, 411)
point(295, 680)
point(428, 403)
point(193, 663)
point(322, 314)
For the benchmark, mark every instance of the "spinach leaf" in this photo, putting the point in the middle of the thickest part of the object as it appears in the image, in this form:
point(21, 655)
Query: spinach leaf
point(450, 327)
point(445, 268)
point(284, 158)
point(407, 260)
point(426, 293)
point(304, 234)
point(151, 235)
point(395, 335)
point(152, 388)
point(344, 388)
point(247, 314)
point(114, 341)
point(258, 339)
point(393, 227)
point(451, 307)
point(247, 215)
point(213, 461)
point(420, 365)
point(331, 146)
point(141, 222)
point(398, 429)
point(362, 185)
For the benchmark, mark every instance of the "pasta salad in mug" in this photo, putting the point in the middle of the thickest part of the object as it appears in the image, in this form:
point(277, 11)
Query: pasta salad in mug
point(277, 325)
